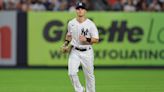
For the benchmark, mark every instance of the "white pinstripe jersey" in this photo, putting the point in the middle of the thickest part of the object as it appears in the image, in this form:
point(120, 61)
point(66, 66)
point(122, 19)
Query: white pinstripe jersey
point(86, 28)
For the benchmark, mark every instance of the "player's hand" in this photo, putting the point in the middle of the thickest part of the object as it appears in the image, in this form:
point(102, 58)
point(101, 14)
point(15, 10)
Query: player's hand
point(82, 38)
point(64, 49)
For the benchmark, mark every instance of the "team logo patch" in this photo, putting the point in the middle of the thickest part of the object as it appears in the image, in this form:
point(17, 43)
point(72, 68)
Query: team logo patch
point(84, 32)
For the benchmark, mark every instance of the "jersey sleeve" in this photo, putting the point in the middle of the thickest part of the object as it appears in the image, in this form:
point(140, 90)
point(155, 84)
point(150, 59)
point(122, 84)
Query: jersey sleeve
point(94, 31)
point(69, 29)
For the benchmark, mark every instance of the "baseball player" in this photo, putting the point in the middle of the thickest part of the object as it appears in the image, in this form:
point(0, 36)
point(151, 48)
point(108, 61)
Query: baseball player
point(82, 33)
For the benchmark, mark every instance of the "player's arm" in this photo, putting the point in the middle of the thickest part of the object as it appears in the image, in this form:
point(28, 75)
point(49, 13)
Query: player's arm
point(68, 36)
point(67, 40)
point(65, 47)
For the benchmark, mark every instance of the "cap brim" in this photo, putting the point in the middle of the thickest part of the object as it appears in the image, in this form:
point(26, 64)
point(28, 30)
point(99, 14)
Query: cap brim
point(80, 7)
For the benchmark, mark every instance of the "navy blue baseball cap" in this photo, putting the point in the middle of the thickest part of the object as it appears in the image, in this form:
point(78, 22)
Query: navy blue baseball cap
point(80, 5)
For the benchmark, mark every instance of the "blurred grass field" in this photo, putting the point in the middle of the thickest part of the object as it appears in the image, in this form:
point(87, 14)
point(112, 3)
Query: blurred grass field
point(57, 80)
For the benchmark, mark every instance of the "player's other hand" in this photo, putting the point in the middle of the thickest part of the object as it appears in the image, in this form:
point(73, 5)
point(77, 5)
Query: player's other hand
point(82, 38)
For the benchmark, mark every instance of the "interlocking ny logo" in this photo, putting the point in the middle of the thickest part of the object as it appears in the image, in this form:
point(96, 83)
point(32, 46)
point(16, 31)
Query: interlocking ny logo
point(84, 32)
point(5, 42)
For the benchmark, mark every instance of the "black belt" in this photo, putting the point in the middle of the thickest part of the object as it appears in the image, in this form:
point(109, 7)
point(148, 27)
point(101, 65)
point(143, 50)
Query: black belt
point(80, 49)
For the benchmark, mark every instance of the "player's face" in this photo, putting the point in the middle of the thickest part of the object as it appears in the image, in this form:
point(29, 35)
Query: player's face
point(80, 12)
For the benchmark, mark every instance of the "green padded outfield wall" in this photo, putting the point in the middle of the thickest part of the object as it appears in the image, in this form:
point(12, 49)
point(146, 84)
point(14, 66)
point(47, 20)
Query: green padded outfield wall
point(126, 39)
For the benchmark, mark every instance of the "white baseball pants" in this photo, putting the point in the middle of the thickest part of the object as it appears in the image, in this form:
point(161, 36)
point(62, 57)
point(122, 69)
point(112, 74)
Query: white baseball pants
point(85, 58)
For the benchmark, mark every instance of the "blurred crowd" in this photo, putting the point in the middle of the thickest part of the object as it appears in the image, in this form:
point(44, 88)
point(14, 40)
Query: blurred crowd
point(92, 5)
